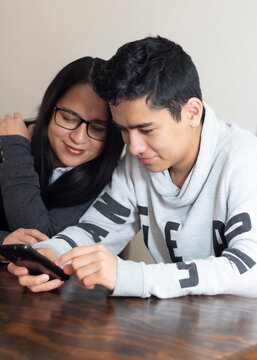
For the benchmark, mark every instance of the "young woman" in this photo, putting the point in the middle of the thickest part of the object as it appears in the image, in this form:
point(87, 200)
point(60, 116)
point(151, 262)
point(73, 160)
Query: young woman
point(48, 182)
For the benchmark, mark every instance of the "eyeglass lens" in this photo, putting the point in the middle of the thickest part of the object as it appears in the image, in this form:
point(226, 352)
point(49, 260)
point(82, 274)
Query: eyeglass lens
point(69, 121)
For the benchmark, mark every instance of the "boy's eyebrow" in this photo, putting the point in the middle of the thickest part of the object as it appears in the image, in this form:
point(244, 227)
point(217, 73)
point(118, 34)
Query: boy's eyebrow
point(138, 126)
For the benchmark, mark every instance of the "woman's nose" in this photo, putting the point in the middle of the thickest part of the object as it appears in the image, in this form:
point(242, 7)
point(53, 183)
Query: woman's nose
point(79, 135)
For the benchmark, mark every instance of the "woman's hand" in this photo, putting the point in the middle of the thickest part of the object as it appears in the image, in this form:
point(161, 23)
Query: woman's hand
point(25, 236)
point(92, 265)
point(14, 125)
point(31, 128)
point(36, 283)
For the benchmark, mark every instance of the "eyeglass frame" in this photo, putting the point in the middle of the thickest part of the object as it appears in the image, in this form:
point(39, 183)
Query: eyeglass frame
point(87, 122)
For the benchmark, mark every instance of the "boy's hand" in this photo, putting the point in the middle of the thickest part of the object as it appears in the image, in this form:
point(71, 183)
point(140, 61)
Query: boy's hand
point(92, 265)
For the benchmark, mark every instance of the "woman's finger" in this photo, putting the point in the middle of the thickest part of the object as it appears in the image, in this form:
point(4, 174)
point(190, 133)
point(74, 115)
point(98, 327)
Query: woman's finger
point(38, 235)
point(17, 270)
point(17, 115)
point(33, 280)
point(48, 286)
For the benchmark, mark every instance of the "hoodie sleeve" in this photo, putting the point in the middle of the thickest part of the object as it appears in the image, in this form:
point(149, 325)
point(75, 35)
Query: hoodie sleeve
point(112, 219)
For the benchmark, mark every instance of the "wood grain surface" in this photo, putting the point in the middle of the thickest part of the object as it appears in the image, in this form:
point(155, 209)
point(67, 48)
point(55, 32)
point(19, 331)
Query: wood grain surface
point(74, 323)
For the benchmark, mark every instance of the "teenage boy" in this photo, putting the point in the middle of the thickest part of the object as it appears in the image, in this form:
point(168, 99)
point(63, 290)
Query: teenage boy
point(189, 181)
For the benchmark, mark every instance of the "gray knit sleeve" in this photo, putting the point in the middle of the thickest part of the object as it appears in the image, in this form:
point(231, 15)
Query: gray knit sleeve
point(21, 195)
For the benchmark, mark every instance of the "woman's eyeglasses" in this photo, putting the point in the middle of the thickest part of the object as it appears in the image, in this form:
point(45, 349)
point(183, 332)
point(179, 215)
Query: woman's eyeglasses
point(70, 120)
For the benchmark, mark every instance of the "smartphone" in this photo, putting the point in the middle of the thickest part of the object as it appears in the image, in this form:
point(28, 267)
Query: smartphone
point(36, 263)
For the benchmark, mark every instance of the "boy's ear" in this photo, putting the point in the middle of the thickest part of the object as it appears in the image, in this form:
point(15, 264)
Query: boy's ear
point(195, 111)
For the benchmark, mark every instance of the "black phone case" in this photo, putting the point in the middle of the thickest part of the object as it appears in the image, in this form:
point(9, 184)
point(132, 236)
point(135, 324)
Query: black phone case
point(25, 255)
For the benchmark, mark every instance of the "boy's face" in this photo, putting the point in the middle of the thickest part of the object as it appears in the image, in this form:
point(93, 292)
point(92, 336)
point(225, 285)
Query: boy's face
point(158, 141)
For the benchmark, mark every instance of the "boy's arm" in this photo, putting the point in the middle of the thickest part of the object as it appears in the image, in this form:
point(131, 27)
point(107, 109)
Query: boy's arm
point(112, 220)
point(234, 272)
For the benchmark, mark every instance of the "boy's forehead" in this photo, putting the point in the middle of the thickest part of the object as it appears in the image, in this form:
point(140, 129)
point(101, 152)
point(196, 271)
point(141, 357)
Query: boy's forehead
point(136, 111)
point(130, 105)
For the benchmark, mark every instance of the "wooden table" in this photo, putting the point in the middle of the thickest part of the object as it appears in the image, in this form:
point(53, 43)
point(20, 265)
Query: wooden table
point(74, 323)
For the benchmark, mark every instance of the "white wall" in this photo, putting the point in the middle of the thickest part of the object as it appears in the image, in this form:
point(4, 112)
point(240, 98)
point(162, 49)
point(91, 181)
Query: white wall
point(38, 37)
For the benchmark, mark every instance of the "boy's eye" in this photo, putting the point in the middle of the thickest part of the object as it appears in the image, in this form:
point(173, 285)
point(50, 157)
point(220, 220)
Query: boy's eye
point(146, 131)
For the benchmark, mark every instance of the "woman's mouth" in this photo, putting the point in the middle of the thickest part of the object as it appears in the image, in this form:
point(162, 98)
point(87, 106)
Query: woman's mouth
point(74, 151)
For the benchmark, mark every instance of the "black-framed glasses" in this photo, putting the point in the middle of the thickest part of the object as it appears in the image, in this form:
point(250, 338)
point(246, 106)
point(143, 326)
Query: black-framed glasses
point(70, 120)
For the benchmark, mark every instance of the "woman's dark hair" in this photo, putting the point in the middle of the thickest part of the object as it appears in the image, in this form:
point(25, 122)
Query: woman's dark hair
point(154, 67)
point(84, 182)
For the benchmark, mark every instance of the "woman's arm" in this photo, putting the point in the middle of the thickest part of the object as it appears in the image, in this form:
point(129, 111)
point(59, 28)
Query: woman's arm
point(23, 205)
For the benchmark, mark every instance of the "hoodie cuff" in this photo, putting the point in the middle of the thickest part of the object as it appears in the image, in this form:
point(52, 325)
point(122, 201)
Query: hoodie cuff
point(129, 279)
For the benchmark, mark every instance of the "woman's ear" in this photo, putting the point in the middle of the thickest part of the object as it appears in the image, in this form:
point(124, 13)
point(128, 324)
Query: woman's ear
point(195, 110)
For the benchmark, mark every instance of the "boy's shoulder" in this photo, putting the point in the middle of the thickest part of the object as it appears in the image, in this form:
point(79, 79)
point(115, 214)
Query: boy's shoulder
point(227, 135)
point(239, 142)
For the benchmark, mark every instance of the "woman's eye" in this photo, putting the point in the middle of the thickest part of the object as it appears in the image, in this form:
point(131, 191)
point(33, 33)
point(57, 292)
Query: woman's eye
point(98, 127)
point(70, 120)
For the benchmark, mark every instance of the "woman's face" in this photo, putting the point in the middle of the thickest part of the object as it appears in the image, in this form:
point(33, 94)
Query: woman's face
point(74, 147)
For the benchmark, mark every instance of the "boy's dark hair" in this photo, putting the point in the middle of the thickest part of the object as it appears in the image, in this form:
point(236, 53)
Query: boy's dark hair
point(154, 67)
point(84, 182)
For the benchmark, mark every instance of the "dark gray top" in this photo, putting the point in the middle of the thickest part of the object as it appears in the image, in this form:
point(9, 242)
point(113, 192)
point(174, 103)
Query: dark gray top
point(21, 205)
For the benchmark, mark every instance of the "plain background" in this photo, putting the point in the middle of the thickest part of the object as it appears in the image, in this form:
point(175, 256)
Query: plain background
point(37, 38)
